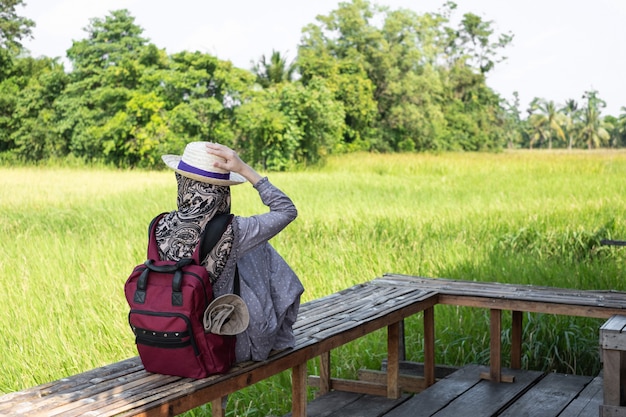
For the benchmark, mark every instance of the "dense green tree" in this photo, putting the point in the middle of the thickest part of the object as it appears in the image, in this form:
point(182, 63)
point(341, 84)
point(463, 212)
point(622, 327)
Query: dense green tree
point(427, 92)
point(106, 69)
point(288, 124)
point(35, 135)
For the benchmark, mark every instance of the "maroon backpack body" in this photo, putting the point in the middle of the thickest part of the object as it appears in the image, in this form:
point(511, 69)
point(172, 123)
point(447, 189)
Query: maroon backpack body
point(167, 301)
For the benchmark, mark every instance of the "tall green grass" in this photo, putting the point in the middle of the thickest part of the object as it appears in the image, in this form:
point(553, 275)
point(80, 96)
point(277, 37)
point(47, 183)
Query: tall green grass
point(69, 238)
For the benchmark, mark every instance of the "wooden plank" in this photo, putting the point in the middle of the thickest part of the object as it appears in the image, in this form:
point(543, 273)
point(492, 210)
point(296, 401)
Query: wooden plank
point(328, 404)
point(369, 406)
point(532, 306)
point(615, 323)
point(587, 303)
point(612, 334)
point(588, 401)
point(351, 385)
point(611, 374)
point(612, 411)
point(417, 369)
point(486, 398)
point(506, 290)
point(64, 386)
point(437, 396)
point(549, 397)
point(408, 383)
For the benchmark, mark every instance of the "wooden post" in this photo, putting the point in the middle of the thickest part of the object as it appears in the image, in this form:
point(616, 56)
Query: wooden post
point(218, 407)
point(324, 374)
point(393, 362)
point(516, 339)
point(298, 390)
point(495, 346)
point(402, 342)
point(429, 346)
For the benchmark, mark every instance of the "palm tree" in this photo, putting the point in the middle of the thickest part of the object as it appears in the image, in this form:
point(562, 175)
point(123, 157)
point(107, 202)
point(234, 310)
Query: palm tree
point(621, 128)
point(570, 110)
point(594, 130)
point(546, 120)
point(276, 71)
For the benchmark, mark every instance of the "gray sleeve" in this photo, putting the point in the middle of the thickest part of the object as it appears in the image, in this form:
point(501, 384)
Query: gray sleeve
point(254, 230)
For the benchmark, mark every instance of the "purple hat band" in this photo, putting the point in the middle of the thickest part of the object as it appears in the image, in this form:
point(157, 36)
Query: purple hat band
point(183, 166)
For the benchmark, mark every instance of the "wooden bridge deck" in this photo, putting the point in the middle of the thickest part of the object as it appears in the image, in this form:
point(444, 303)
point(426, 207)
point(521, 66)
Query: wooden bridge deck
point(465, 393)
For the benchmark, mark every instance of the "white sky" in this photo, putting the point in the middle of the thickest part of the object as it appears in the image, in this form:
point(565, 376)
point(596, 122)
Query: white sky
point(561, 48)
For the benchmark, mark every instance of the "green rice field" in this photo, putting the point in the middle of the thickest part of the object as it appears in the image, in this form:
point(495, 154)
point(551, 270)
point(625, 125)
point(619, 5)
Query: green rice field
point(69, 238)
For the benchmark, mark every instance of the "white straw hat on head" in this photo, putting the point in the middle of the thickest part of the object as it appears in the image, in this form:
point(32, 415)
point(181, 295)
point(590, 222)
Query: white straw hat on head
point(196, 163)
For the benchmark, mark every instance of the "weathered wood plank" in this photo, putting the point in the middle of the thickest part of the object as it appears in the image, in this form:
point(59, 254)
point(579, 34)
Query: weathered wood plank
point(328, 404)
point(549, 396)
point(486, 398)
point(369, 406)
point(437, 396)
point(588, 303)
point(588, 401)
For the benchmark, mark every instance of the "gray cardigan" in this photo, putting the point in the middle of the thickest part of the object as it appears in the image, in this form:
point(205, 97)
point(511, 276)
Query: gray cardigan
point(268, 285)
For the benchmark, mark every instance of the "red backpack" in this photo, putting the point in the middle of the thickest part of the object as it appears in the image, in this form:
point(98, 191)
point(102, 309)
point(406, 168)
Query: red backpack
point(167, 301)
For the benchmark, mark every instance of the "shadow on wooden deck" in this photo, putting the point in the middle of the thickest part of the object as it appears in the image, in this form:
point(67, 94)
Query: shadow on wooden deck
point(464, 394)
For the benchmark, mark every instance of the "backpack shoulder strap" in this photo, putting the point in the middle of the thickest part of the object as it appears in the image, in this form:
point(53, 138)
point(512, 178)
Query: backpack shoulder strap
point(213, 230)
point(153, 249)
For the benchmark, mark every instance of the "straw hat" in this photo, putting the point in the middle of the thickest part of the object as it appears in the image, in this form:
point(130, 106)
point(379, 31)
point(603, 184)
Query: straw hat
point(227, 314)
point(196, 163)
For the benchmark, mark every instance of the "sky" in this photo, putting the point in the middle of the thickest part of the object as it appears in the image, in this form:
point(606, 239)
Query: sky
point(560, 49)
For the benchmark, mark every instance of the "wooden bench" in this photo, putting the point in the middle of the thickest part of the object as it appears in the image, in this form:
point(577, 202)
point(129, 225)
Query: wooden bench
point(125, 388)
point(518, 299)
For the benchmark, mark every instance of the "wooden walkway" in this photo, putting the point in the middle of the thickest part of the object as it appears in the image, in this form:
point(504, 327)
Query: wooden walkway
point(464, 393)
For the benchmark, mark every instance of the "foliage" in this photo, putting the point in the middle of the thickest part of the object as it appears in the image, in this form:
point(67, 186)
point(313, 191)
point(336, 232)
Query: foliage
point(13, 28)
point(290, 123)
point(427, 78)
point(366, 78)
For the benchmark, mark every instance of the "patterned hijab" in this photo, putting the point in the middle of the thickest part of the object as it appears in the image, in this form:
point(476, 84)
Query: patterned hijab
point(178, 232)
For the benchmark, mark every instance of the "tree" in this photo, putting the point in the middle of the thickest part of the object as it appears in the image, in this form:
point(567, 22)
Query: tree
point(546, 120)
point(593, 129)
point(427, 92)
point(107, 68)
point(570, 110)
point(13, 29)
point(620, 128)
point(276, 71)
point(512, 122)
point(288, 124)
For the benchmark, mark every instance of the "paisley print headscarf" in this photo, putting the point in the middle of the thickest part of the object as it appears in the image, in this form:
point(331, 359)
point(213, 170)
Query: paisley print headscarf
point(178, 232)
